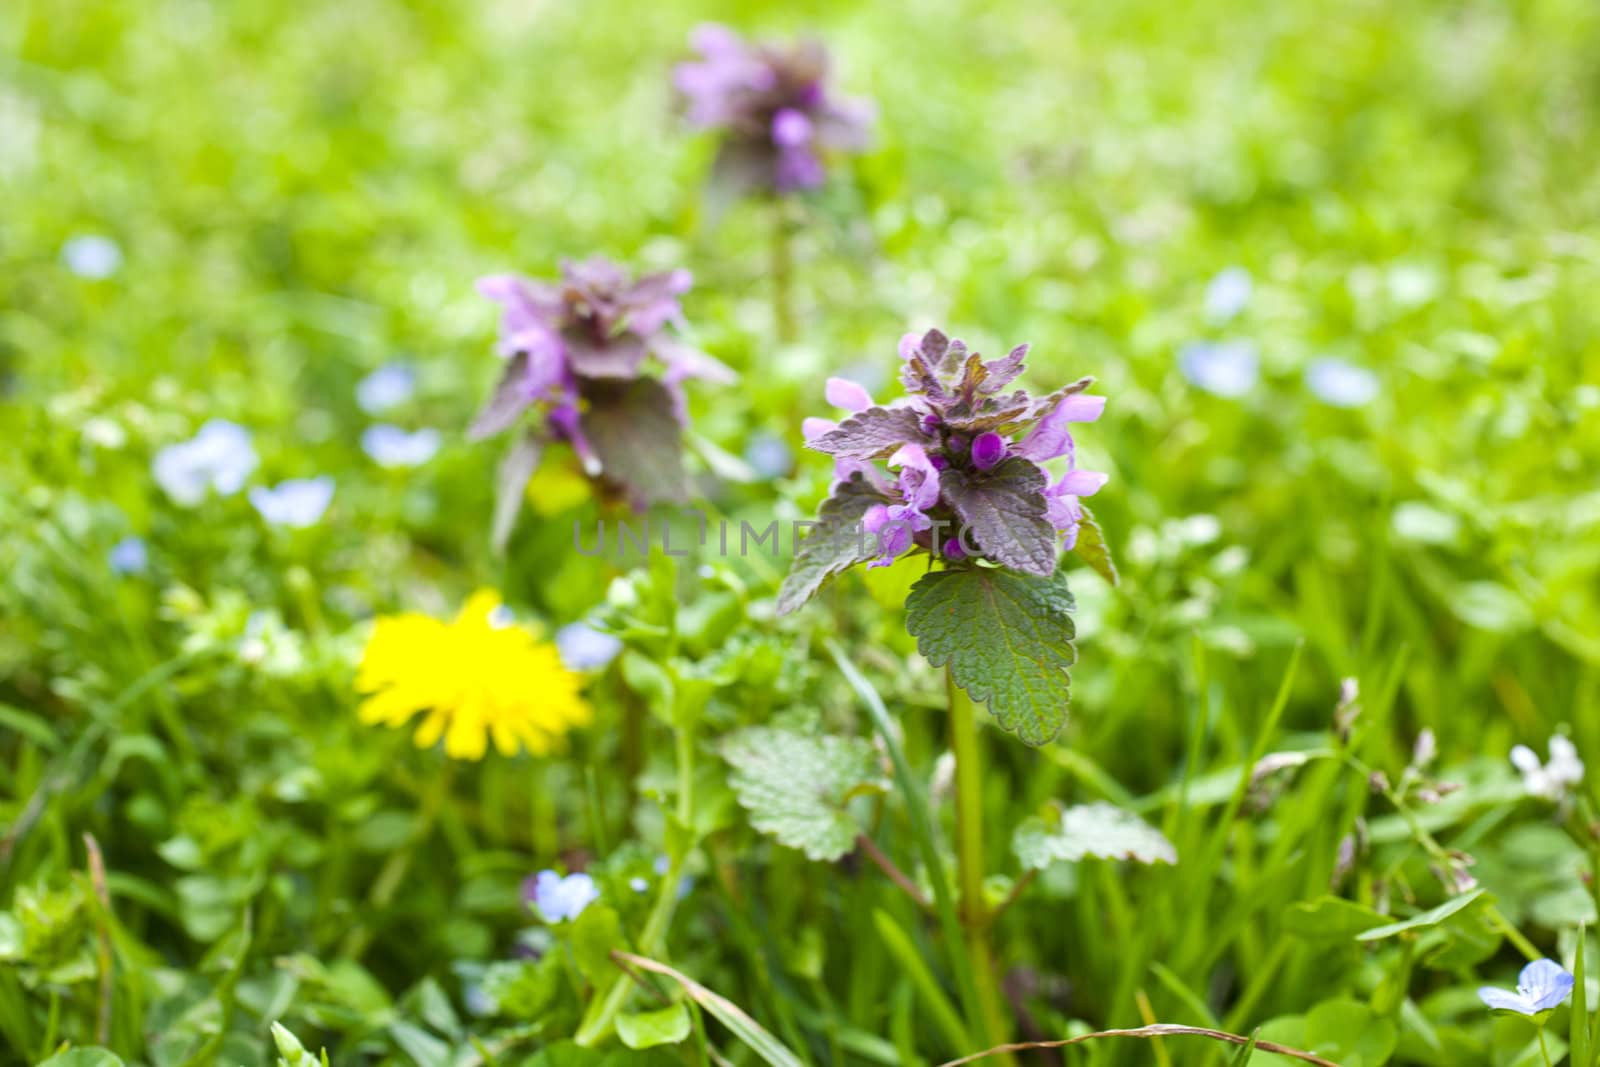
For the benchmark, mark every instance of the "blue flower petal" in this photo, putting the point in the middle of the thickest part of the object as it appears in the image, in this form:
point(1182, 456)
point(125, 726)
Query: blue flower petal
point(387, 387)
point(1504, 1000)
point(1544, 984)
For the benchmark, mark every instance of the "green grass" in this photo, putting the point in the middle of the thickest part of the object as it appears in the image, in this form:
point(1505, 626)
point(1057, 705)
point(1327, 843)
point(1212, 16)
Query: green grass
point(305, 192)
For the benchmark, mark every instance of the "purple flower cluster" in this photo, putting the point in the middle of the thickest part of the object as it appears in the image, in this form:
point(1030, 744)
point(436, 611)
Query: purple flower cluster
point(964, 455)
point(580, 353)
point(773, 105)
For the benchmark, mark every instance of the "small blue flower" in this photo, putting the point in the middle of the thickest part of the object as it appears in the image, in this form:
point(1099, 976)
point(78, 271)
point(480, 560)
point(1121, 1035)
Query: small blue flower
point(218, 458)
point(559, 899)
point(92, 256)
point(129, 556)
point(1341, 384)
point(1542, 985)
point(769, 455)
point(1228, 294)
point(296, 503)
point(385, 388)
point(583, 648)
point(1222, 368)
point(390, 446)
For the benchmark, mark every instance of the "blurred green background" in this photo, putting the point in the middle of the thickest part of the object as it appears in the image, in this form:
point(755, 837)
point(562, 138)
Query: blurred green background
point(300, 193)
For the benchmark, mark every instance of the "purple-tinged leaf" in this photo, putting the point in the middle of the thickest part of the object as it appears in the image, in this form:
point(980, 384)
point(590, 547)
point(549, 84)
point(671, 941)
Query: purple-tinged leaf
point(511, 397)
point(834, 545)
point(617, 356)
point(871, 434)
point(510, 485)
point(636, 438)
point(1004, 512)
point(1002, 372)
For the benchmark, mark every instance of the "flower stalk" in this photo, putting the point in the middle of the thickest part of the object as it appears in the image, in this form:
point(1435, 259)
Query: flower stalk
point(782, 275)
point(602, 1012)
point(974, 912)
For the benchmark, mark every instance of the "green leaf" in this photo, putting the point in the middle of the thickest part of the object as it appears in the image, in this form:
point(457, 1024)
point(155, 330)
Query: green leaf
point(772, 1051)
point(834, 545)
point(651, 1028)
point(84, 1057)
point(1091, 547)
point(1578, 1031)
point(1246, 1052)
point(424, 1049)
point(1430, 918)
point(1004, 512)
point(1101, 830)
point(595, 933)
point(633, 431)
point(797, 787)
point(1329, 919)
point(1349, 1033)
point(1007, 638)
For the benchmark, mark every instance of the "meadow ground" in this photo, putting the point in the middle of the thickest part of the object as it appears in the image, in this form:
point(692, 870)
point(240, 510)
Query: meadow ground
point(1333, 266)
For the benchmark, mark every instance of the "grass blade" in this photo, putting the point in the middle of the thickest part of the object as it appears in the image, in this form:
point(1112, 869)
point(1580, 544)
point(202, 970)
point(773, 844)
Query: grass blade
point(772, 1051)
point(1579, 1033)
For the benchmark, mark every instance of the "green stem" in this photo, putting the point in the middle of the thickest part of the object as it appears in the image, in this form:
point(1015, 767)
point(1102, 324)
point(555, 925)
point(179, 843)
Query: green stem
point(1545, 1051)
point(603, 1010)
point(919, 814)
point(782, 274)
point(394, 871)
point(965, 748)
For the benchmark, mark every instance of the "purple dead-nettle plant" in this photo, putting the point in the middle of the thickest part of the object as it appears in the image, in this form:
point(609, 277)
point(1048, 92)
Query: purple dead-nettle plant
point(964, 481)
point(773, 105)
point(592, 360)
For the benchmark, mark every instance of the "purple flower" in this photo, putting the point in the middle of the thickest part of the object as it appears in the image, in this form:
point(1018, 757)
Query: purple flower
point(583, 648)
point(1223, 368)
point(773, 106)
point(129, 556)
point(1341, 384)
point(386, 388)
point(988, 449)
point(591, 354)
point(92, 256)
point(559, 899)
point(390, 446)
point(216, 459)
point(1542, 986)
point(955, 466)
point(296, 503)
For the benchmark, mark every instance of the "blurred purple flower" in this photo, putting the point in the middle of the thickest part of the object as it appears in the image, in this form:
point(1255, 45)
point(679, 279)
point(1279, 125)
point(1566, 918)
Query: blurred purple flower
point(583, 648)
point(559, 899)
point(218, 458)
point(578, 353)
point(769, 455)
point(390, 446)
point(1341, 384)
point(1228, 294)
point(92, 256)
point(386, 388)
point(773, 105)
point(296, 503)
point(129, 556)
point(1223, 368)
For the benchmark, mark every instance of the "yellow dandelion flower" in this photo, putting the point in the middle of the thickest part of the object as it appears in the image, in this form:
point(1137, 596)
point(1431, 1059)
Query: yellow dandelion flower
point(471, 680)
